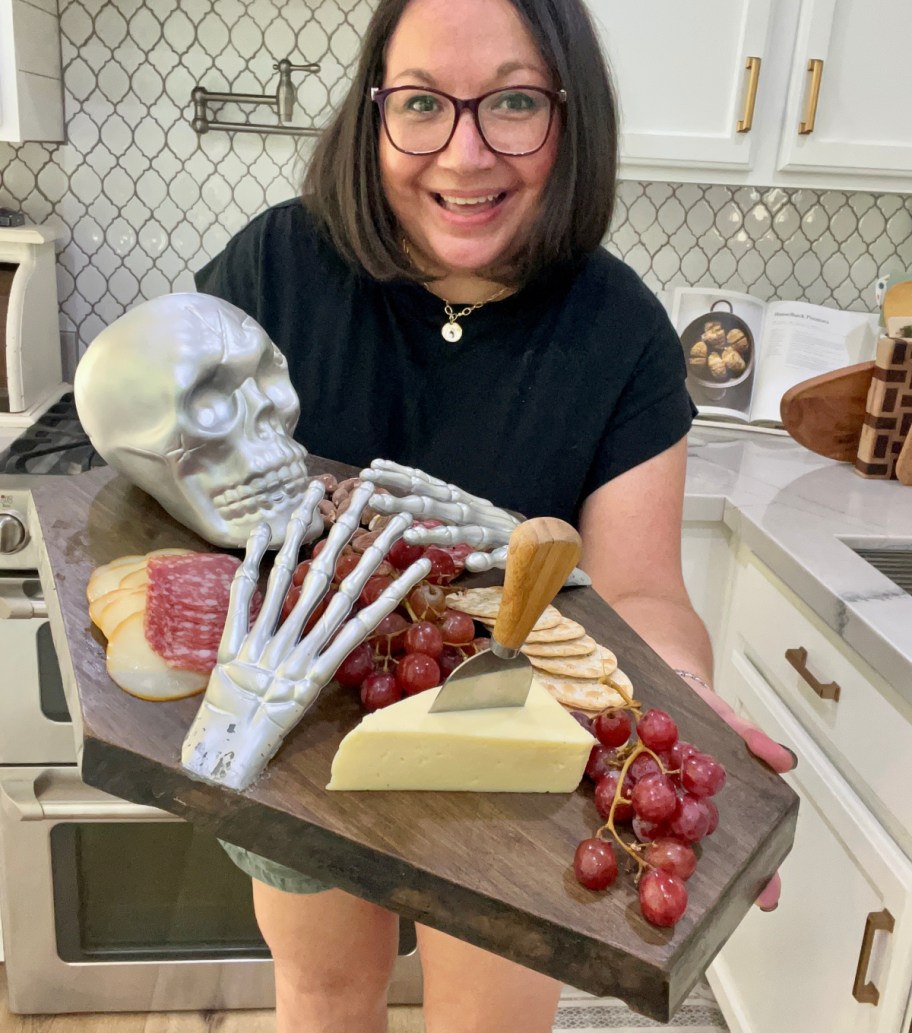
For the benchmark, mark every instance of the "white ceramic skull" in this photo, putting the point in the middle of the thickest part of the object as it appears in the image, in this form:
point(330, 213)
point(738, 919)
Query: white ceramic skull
point(187, 397)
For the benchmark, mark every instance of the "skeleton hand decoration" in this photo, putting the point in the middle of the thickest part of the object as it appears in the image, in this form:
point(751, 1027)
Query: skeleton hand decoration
point(266, 678)
point(471, 520)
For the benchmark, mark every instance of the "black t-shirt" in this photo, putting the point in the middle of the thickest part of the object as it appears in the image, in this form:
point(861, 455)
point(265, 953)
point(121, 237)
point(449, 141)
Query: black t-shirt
point(551, 392)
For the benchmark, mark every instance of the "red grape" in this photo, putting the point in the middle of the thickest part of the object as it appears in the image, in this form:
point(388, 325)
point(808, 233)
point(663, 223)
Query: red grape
point(417, 672)
point(403, 555)
point(599, 763)
point(458, 628)
point(690, 821)
point(450, 658)
point(673, 856)
point(356, 666)
point(477, 645)
point(680, 752)
point(427, 602)
point(372, 589)
point(300, 572)
point(654, 798)
point(702, 775)
point(379, 690)
point(318, 611)
point(345, 565)
point(443, 569)
point(713, 812)
point(646, 831)
point(289, 604)
point(388, 637)
point(657, 730)
point(605, 792)
point(595, 864)
point(612, 728)
point(424, 637)
point(663, 897)
point(642, 766)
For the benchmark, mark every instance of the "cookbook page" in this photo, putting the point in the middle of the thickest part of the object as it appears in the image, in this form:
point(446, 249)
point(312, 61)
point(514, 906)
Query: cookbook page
point(720, 333)
point(801, 341)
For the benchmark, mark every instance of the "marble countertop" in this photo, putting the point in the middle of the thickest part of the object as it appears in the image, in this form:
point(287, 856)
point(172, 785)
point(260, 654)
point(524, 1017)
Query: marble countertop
point(801, 514)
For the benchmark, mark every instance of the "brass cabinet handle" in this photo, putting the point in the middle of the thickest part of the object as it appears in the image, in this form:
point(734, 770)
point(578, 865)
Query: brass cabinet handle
point(865, 992)
point(798, 659)
point(815, 67)
point(753, 79)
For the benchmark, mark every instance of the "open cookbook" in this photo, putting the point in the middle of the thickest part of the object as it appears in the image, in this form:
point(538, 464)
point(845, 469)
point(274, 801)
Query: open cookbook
point(743, 354)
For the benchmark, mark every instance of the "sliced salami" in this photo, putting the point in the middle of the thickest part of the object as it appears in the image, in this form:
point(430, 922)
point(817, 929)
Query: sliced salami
point(186, 607)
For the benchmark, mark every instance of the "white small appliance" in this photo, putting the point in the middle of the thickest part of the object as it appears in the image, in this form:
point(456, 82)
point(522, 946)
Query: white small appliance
point(30, 357)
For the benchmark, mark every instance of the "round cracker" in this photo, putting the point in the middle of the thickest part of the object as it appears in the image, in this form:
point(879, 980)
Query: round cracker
point(477, 602)
point(618, 680)
point(580, 693)
point(550, 618)
point(566, 630)
point(598, 663)
point(582, 646)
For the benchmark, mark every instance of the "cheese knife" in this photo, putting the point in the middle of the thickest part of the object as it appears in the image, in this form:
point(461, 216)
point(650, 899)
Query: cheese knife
point(541, 554)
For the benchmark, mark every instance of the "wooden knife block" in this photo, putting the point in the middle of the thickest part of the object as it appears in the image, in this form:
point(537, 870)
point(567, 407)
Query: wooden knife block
point(888, 413)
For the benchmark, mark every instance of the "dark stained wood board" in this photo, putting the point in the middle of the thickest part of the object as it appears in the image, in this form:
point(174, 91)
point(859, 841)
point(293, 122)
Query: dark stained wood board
point(490, 868)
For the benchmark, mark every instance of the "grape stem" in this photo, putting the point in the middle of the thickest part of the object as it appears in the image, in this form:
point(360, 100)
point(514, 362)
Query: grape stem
point(609, 824)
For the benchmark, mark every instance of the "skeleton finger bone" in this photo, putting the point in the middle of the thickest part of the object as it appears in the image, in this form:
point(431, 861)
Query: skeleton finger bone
point(449, 512)
point(451, 534)
point(480, 561)
point(410, 479)
point(319, 578)
point(244, 584)
point(281, 574)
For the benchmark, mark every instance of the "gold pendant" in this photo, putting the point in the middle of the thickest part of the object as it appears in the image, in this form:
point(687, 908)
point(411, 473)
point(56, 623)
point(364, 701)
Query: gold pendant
point(451, 332)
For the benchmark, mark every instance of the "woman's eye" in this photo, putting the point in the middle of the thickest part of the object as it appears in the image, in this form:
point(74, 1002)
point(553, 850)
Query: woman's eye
point(516, 102)
point(423, 104)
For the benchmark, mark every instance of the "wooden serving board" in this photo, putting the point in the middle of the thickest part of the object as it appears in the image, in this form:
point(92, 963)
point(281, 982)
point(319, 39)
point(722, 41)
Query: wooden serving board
point(493, 869)
point(888, 415)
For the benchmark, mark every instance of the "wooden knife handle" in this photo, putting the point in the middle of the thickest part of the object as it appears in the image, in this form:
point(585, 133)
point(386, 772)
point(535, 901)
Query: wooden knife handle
point(540, 556)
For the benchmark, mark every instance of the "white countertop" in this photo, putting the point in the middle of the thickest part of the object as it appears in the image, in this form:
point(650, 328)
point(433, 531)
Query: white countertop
point(799, 513)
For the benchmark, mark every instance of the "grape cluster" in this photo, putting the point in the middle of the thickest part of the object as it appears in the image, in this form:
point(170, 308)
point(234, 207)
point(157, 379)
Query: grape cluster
point(649, 780)
point(419, 644)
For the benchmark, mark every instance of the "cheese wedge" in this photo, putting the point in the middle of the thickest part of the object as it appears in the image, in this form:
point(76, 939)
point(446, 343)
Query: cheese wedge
point(537, 748)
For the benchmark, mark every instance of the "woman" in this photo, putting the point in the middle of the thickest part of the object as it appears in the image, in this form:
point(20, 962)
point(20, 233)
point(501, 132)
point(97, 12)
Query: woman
point(443, 301)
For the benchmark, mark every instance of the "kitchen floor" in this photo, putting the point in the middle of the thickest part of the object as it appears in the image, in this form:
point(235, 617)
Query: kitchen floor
point(578, 1012)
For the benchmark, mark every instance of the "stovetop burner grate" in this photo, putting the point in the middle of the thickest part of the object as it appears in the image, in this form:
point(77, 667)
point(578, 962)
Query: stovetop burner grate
point(55, 444)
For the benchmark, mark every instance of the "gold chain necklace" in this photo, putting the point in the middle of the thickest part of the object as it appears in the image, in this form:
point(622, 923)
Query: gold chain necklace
point(451, 331)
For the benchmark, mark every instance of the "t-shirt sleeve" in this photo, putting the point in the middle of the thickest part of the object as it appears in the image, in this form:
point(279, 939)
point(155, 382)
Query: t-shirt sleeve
point(654, 410)
point(234, 274)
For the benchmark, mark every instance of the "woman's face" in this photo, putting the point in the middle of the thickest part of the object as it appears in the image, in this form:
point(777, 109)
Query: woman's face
point(464, 48)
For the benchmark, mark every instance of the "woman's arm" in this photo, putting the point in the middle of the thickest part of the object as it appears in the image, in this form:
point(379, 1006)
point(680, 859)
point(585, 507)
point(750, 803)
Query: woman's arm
point(631, 530)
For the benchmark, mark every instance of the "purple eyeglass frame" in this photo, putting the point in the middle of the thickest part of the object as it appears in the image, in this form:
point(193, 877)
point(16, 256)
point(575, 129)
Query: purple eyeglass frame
point(460, 104)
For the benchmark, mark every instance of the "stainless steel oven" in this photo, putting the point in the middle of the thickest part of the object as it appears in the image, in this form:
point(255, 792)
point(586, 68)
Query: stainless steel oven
point(106, 905)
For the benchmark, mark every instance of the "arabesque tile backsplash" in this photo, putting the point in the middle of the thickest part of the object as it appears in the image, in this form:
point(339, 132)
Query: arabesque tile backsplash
point(140, 200)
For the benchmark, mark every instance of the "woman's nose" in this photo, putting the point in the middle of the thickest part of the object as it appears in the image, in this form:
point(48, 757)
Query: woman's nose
point(467, 150)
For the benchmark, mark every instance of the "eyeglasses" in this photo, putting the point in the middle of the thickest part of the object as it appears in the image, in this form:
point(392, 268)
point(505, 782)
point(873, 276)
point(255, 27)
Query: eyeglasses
point(513, 121)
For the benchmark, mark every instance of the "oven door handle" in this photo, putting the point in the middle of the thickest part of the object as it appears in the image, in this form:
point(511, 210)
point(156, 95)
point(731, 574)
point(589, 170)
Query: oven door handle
point(49, 797)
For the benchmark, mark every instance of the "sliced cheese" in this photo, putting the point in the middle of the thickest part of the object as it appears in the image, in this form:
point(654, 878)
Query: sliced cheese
point(121, 603)
point(537, 748)
point(105, 579)
point(135, 666)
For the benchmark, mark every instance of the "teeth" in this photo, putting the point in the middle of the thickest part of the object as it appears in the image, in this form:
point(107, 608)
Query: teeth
point(469, 200)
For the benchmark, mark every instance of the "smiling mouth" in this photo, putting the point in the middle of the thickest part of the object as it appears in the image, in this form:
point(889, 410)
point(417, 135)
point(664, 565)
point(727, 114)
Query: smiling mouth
point(469, 205)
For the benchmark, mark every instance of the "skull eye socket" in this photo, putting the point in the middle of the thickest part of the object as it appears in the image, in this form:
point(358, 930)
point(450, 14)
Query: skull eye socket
point(212, 410)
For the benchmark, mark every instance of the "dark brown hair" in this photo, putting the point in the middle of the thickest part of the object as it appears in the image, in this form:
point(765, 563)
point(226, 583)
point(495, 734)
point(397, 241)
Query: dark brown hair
point(343, 185)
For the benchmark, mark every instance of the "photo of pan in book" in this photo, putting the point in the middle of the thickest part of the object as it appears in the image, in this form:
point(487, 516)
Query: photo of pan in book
point(743, 354)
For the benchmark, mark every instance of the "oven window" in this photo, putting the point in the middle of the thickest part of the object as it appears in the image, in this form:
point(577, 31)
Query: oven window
point(158, 890)
point(51, 697)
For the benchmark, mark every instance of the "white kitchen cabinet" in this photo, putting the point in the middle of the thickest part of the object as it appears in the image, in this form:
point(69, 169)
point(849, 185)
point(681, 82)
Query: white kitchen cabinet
point(31, 82)
point(682, 77)
point(719, 91)
point(707, 559)
point(849, 103)
point(836, 955)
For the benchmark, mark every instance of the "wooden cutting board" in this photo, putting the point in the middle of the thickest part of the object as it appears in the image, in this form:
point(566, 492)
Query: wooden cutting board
point(888, 410)
point(490, 868)
point(825, 414)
